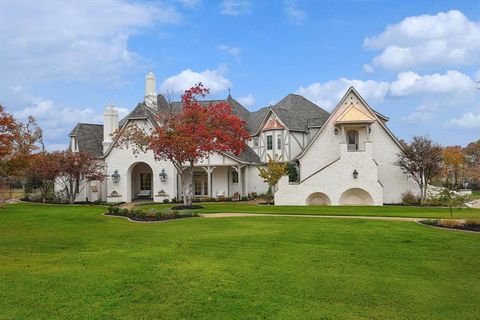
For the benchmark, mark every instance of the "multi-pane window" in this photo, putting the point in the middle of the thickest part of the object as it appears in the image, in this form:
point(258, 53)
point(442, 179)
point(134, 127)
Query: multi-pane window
point(352, 140)
point(145, 181)
point(269, 142)
point(235, 176)
point(279, 142)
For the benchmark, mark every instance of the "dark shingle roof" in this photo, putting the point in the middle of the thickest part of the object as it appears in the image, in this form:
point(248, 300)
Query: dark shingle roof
point(89, 138)
point(298, 113)
point(141, 111)
point(247, 155)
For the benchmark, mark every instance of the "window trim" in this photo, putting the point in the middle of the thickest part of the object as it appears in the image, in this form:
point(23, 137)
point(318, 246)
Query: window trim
point(234, 176)
point(270, 142)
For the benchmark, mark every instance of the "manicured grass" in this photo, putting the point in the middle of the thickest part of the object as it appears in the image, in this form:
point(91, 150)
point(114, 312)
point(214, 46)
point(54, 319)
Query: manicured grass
point(62, 262)
point(386, 211)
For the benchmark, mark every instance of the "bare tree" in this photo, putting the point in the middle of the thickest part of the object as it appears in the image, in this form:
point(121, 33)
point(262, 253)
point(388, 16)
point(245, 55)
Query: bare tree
point(422, 160)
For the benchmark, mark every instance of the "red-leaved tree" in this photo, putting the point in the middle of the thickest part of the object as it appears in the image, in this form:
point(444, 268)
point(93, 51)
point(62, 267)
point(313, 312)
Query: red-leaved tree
point(75, 170)
point(192, 134)
point(45, 168)
point(17, 142)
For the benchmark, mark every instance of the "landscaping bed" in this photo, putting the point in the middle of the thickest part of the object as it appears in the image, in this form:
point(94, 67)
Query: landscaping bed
point(467, 225)
point(150, 214)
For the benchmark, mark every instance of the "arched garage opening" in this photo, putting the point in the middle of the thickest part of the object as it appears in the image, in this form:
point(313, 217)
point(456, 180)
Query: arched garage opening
point(356, 196)
point(319, 199)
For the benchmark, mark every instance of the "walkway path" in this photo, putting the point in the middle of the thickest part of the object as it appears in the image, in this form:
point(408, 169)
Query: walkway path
point(227, 215)
point(476, 204)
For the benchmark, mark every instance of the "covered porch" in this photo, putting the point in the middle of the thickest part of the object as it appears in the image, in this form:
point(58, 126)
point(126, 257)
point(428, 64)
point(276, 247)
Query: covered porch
point(227, 181)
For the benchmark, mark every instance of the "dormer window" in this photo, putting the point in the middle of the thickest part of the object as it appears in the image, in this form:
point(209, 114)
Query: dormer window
point(255, 141)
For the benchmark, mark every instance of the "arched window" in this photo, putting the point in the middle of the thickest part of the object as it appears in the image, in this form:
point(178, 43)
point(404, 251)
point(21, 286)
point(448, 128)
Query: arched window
point(352, 140)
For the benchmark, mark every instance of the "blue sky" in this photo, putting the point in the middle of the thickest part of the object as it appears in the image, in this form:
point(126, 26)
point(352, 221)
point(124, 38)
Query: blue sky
point(414, 61)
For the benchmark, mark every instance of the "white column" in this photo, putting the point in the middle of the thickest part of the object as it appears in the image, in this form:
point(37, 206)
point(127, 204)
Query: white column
point(240, 180)
point(209, 182)
point(246, 180)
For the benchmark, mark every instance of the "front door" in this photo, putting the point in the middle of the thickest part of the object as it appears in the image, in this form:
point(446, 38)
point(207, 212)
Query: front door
point(145, 185)
point(200, 184)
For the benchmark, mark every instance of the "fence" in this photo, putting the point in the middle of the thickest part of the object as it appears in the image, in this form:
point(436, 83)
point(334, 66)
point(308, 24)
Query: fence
point(12, 193)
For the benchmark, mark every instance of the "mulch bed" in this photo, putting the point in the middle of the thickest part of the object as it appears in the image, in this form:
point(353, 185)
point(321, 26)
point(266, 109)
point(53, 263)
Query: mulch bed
point(193, 207)
point(466, 227)
point(147, 219)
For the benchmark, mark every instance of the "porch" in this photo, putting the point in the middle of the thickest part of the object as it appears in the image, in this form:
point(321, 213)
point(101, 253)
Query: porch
point(220, 181)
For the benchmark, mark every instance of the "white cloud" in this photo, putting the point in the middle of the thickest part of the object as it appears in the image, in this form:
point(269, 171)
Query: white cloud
point(55, 120)
point(476, 76)
point(294, 13)
point(235, 7)
point(247, 101)
point(469, 120)
point(411, 83)
point(328, 94)
point(367, 68)
point(79, 40)
point(418, 117)
point(445, 39)
point(212, 79)
point(235, 52)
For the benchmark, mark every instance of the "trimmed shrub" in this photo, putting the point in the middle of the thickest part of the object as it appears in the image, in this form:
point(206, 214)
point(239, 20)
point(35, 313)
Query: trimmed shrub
point(151, 213)
point(431, 222)
point(409, 199)
point(472, 222)
point(188, 213)
point(244, 198)
point(166, 201)
point(450, 223)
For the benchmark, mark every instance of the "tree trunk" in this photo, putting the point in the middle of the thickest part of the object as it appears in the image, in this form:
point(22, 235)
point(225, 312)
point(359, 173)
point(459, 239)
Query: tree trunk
point(190, 185)
point(187, 182)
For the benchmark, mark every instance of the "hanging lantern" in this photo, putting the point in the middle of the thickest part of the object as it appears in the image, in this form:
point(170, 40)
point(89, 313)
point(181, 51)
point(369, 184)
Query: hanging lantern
point(163, 175)
point(115, 176)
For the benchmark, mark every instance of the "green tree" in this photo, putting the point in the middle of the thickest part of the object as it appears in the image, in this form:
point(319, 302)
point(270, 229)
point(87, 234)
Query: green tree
point(272, 173)
point(451, 200)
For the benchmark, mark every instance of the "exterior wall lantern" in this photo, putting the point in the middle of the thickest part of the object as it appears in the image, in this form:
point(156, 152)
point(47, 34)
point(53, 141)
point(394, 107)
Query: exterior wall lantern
point(115, 176)
point(335, 130)
point(355, 174)
point(163, 175)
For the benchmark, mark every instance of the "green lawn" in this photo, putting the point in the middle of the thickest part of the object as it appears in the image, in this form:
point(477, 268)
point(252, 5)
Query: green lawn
point(70, 262)
point(387, 211)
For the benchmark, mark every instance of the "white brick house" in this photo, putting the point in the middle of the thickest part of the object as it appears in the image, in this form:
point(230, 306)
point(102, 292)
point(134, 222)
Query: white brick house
point(327, 148)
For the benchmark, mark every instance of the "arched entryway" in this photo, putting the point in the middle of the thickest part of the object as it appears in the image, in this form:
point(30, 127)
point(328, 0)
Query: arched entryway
point(318, 198)
point(356, 196)
point(140, 185)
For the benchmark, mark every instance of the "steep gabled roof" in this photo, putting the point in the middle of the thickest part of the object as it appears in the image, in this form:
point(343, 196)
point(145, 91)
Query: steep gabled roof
point(299, 113)
point(378, 116)
point(141, 111)
point(89, 137)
